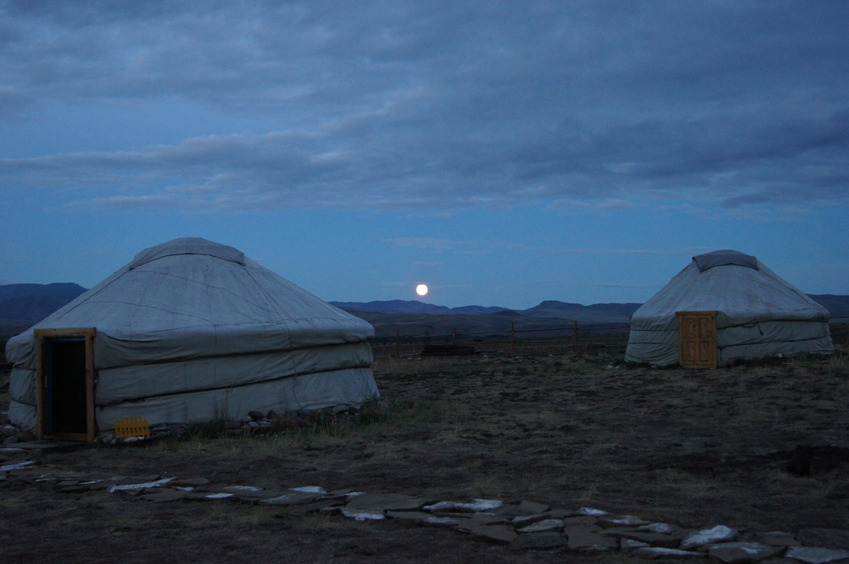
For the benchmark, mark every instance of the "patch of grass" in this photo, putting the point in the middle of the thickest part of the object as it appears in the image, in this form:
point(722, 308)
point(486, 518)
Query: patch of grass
point(838, 365)
point(212, 429)
point(384, 412)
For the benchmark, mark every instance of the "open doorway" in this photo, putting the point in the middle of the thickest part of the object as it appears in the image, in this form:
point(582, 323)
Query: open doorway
point(65, 383)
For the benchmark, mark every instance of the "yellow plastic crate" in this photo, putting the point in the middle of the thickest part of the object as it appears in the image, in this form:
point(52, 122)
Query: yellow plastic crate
point(132, 427)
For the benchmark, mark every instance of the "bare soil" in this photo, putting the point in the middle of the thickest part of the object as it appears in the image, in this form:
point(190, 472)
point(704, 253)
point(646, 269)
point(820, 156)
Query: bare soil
point(757, 447)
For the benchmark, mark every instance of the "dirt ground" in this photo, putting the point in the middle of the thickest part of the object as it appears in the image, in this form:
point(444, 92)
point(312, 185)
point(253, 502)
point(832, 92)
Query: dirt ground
point(694, 448)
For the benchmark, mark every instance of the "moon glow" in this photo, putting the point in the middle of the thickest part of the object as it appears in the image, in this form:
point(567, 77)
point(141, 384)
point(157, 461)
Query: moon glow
point(422, 289)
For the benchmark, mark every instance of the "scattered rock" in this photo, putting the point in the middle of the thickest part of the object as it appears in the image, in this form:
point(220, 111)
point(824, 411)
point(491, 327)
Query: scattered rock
point(291, 498)
point(627, 545)
point(498, 533)
point(524, 526)
point(363, 514)
point(140, 486)
point(817, 555)
point(621, 521)
point(737, 552)
point(422, 518)
point(654, 539)
point(16, 466)
point(717, 534)
point(773, 538)
point(544, 526)
point(476, 505)
point(656, 553)
point(590, 511)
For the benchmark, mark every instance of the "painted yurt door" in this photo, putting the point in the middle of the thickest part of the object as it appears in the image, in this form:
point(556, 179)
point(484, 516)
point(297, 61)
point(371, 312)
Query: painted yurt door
point(697, 339)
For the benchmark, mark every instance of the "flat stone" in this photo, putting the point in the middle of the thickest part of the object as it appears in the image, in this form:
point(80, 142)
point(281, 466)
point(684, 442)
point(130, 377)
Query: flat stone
point(580, 520)
point(607, 521)
point(544, 526)
point(497, 533)
point(309, 489)
point(525, 520)
point(487, 518)
point(532, 508)
point(244, 491)
point(657, 553)
point(665, 528)
point(473, 506)
point(627, 545)
point(717, 534)
point(817, 555)
point(387, 502)
point(342, 494)
point(539, 541)
point(363, 514)
point(590, 511)
point(773, 538)
point(17, 466)
point(827, 538)
point(736, 552)
point(422, 518)
point(653, 539)
point(291, 498)
point(589, 538)
point(140, 485)
point(164, 495)
point(219, 495)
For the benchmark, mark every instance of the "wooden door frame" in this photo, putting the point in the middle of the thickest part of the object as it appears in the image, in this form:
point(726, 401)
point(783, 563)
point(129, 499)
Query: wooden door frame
point(711, 362)
point(41, 338)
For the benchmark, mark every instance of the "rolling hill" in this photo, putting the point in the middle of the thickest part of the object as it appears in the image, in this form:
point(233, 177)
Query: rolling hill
point(22, 305)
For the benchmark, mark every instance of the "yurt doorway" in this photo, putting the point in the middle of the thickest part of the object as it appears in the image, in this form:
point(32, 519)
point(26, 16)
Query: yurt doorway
point(65, 378)
point(697, 339)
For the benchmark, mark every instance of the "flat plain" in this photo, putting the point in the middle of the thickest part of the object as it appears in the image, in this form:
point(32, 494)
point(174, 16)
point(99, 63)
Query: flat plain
point(758, 447)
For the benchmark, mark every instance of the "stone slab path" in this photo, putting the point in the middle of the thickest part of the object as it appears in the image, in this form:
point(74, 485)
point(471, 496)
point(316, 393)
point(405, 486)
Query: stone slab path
point(529, 525)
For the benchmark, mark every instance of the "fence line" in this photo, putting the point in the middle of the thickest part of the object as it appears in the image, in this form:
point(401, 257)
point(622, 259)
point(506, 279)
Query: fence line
point(574, 337)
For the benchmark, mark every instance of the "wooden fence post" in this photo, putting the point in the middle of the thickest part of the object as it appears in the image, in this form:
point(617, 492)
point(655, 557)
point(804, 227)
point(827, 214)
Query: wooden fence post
point(512, 336)
point(397, 343)
point(577, 344)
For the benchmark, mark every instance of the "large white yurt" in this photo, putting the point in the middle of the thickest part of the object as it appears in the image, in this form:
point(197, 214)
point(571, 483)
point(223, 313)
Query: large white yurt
point(751, 312)
point(189, 331)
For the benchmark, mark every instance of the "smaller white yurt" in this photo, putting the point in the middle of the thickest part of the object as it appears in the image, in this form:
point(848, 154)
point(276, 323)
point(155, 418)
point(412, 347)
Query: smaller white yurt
point(189, 331)
point(725, 306)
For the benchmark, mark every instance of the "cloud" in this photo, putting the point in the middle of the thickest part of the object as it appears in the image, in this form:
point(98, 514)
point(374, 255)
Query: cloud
point(426, 107)
point(675, 251)
point(443, 245)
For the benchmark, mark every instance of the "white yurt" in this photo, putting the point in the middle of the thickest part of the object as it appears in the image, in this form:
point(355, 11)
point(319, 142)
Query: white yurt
point(757, 314)
point(189, 331)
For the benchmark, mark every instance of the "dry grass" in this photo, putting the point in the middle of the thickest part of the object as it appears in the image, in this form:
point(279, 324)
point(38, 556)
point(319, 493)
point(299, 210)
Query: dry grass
point(697, 448)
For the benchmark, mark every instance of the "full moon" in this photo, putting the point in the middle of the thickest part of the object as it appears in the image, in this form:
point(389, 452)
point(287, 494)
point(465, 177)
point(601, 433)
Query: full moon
point(422, 289)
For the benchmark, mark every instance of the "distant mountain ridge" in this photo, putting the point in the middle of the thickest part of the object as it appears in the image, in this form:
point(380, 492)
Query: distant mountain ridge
point(26, 304)
point(596, 313)
point(412, 306)
point(30, 303)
